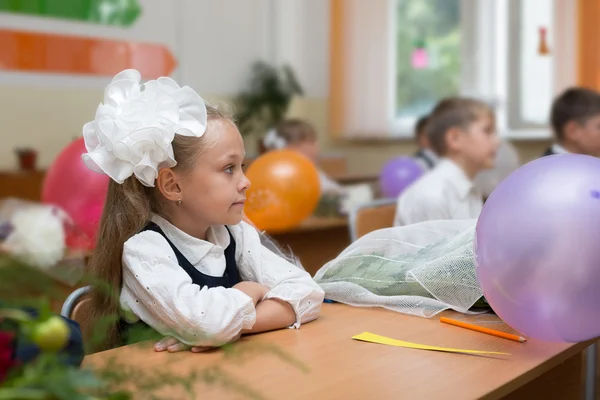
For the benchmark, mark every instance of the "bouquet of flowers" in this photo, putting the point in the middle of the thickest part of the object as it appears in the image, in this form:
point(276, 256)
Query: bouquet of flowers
point(420, 269)
point(38, 234)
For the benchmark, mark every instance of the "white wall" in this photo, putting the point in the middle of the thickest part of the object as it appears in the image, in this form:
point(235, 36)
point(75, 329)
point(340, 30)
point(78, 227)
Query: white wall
point(215, 42)
point(219, 40)
point(301, 36)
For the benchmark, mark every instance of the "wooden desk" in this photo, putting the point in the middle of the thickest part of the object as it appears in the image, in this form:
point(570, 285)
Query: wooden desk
point(316, 241)
point(349, 179)
point(312, 224)
point(341, 368)
point(26, 185)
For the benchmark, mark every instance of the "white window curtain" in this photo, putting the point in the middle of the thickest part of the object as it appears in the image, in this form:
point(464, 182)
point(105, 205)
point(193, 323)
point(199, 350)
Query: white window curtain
point(367, 68)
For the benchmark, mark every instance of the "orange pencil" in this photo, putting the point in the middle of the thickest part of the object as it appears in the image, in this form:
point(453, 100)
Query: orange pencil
point(483, 330)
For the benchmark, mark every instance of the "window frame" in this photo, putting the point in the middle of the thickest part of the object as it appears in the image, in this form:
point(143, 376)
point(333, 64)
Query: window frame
point(491, 68)
point(403, 127)
point(515, 120)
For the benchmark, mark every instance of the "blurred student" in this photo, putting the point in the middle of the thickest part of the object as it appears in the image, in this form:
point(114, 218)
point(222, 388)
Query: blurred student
point(575, 120)
point(299, 135)
point(462, 131)
point(425, 155)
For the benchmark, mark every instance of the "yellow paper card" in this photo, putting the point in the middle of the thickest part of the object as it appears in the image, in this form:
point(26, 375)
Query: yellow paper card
point(372, 338)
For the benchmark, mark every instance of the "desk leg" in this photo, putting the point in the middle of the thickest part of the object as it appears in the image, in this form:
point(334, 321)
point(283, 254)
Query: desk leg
point(590, 372)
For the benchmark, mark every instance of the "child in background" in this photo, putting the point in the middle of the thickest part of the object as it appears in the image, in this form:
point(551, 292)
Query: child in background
point(171, 237)
point(575, 119)
point(425, 155)
point(462, 131)
point(301, 136)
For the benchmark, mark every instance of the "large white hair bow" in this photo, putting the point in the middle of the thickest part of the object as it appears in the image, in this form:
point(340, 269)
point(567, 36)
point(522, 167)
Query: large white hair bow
point(272, 141)
point(134, 128)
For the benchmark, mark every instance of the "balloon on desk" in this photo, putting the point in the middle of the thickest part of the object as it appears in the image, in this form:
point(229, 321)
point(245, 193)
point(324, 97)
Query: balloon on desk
point(398, 174)
point(80, 192)
point(536, 249)
point(284, 190)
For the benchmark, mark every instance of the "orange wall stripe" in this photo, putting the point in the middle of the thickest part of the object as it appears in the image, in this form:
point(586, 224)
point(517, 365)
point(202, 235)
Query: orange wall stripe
point(588, 58)
point(62, 54)
point(336, 68)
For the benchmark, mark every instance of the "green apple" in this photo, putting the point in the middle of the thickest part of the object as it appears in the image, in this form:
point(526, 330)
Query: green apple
point(51, 335)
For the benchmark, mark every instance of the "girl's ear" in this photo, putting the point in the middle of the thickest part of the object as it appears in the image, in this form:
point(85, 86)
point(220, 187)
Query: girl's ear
point(167, 183)
point(454, 138)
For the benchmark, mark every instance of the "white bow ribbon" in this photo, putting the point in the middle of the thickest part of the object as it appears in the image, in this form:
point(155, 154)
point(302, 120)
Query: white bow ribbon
point(134, 128)
point(273, 141)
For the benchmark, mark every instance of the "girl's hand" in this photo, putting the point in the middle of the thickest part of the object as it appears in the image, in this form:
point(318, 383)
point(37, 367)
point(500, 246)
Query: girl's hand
point(253, 289)
point(173, 345)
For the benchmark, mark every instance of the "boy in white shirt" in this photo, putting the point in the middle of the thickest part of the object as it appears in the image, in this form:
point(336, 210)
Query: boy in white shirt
point(462, 131)
point(575, 119)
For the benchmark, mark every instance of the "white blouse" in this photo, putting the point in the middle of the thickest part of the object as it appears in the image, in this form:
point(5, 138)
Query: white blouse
point(159, 292)
point(445, 192)
point(328, 185)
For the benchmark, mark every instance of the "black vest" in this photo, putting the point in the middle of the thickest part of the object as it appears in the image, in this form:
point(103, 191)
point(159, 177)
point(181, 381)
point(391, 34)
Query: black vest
point(423, 156)
point(230, 278)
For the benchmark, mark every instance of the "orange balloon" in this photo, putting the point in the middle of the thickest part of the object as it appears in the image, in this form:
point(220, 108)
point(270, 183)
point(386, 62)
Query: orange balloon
point(284, 190)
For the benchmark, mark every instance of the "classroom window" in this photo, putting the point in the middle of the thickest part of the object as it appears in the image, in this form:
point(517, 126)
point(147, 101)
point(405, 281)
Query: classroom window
point(428, 48)
point(393, 60)
point(531, 63)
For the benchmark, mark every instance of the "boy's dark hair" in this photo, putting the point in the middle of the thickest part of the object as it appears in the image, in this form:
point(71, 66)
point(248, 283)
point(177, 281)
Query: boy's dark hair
point(453, 112)
point(574, 104)
point(420, 126)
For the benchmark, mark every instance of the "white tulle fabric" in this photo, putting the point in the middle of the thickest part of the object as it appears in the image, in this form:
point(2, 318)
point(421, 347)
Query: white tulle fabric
point(134, 127)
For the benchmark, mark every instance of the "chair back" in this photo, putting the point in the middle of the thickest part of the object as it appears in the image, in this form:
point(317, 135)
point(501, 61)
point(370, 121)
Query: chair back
point(77, 307)
point(369, 217)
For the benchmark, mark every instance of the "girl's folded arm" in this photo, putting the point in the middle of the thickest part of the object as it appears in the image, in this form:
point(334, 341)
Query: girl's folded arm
point(285, 281)
point(159, 292)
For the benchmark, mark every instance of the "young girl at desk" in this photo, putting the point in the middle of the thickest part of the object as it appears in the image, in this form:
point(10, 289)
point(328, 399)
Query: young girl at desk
point(171, 235)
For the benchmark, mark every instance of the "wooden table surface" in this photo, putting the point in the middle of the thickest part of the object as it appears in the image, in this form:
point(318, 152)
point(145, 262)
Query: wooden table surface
point(341, 368)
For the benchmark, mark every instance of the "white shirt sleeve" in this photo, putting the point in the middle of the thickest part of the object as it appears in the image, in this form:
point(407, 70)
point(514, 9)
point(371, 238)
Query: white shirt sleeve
point(328, 185)
point(286, 281)
point(161, 293)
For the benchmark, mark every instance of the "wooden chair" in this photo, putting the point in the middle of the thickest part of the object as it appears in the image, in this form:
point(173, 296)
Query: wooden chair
point(77, 304)
point(372, 216)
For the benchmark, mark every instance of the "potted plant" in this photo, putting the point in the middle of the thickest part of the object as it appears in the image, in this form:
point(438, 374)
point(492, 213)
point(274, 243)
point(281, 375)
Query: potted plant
point(266, 100)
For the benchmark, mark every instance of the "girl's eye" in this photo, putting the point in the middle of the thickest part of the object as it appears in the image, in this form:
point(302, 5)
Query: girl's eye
point(244, 167)
point(229, 170)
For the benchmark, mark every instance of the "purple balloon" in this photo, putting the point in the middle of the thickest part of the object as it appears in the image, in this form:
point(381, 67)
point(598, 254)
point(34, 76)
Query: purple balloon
point(537, 249)
point(398, 174)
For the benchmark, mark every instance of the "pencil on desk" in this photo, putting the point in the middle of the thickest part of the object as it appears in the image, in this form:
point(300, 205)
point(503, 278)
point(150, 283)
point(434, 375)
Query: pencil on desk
point(483, 330)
